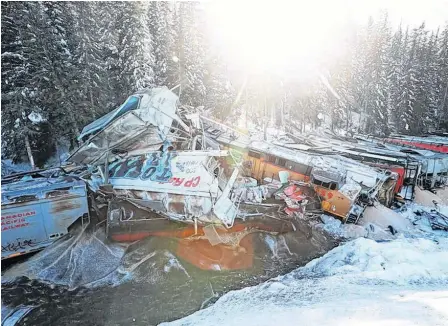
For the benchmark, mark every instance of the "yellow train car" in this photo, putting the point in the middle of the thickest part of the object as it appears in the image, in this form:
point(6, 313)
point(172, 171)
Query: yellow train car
point(260, 165)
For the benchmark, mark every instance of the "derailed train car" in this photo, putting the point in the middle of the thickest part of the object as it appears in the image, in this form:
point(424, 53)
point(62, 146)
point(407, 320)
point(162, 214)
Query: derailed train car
point(429, 152)
point(160, 175)
point(438, 144)
point(415, 167)
point(38, 208)
point(345, 187)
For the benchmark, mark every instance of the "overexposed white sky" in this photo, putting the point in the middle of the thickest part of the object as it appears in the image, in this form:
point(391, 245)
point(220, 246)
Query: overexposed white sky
point(412, 12)
point(270, 35)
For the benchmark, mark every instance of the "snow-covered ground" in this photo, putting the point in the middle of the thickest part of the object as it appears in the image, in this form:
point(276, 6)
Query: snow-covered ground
point(402, 282)
point(61, 154)
point(405, 222)
point(379, 278)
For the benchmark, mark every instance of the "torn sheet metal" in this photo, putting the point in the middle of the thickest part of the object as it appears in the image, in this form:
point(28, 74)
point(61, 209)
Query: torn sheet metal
point(144, 152)
point(185, 186)
point(130, 104)
point(144, 124)
point(328, 174)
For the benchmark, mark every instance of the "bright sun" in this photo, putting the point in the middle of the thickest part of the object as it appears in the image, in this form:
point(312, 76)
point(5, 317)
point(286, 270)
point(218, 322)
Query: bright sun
point(277, 35)
point(297, 36)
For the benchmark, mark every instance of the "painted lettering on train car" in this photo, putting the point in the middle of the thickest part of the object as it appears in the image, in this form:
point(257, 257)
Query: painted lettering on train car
point(155, 166)
point(16, 221)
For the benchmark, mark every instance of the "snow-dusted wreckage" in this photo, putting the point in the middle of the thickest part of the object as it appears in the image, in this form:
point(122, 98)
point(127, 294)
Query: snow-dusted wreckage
point(151, 164)
point(343, 186)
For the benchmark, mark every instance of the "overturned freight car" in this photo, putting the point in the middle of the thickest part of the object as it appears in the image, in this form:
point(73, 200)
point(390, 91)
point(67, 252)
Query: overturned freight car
point(38, 208)
point(157, 170)
point(345, 187)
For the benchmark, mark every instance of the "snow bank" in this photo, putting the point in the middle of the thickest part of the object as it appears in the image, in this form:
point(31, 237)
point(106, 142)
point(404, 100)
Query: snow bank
point(378, 220)
point(443, 195)
point(374, 225)
point(425, 197)
point(402, 282)
point(402, 261)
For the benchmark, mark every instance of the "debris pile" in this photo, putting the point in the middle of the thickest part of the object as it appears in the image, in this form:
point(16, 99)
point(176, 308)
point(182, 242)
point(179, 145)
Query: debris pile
point(156, 168)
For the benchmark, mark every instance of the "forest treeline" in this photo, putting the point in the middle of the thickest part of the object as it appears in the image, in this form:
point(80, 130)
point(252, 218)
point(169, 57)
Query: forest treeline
point(64, 64)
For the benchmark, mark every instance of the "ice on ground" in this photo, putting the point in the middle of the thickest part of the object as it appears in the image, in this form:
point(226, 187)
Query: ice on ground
point(400, 282)
point(346, 231)
point(83, 258)
point(35, 117)
point(88, 259)
point(174, 263)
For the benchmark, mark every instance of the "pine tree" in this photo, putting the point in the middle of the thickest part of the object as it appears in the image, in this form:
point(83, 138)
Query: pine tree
point(395, 70)
point(57, 71)
point(129, 58)
point(379, 64)
point(190, 51)
point(19, 93)
point(160, 24)
point(90, 82)
point(415, 81)
point(441, 66)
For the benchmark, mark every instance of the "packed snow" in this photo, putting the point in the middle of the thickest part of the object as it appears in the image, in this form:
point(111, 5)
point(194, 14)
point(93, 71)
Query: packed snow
point(392, 271)
point(381, 223)
point(401, 282)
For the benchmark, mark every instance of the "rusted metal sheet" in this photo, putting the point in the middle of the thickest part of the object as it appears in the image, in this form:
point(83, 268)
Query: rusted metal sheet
point(130, 221)
point(64, 205)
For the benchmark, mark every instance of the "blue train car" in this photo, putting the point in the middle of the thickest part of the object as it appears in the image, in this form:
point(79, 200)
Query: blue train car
point(38, 208)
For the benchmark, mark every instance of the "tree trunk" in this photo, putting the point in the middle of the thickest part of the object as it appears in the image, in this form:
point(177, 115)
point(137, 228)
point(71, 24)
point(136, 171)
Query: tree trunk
point(28, 151)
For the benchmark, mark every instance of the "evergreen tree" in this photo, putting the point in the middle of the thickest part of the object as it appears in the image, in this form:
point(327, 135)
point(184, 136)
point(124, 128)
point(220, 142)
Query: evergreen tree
point(160, 24)
point(441, 82)
point(190, 51)
point(20, 92)
point(90, 82)
point(64, 64)
point(134, 59)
